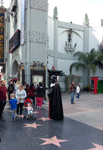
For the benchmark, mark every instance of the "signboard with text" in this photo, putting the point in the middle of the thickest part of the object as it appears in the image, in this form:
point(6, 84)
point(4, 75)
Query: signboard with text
point(14, 42)
point(1, 37)
point(23, 22)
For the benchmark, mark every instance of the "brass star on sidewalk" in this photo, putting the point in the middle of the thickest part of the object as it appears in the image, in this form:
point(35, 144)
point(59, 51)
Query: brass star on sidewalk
point(33, 125)
point(44, 119)
point(20, 116)
point(98, 147)
point(53, 140)
point(35, 112)
point(7, 106)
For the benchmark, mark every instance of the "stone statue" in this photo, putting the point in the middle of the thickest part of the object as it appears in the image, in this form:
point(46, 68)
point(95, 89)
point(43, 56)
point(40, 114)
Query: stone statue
point(86, 21)
point(1, 2)
point(55, 16)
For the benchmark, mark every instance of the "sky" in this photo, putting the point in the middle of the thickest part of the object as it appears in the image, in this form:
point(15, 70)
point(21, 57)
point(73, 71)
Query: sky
point(75, 10)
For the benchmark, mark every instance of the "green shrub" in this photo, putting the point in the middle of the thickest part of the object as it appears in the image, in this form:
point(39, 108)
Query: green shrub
point(87, 88)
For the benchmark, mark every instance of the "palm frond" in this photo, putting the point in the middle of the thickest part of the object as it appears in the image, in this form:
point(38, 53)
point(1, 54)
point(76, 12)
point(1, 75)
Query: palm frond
point(71, 66)
point(80, 65)
point(92, 50)
point(78, 53)
point(98, 63)
point(93, 68)
point(77, 65)
point(83, 57)
point(100, 58)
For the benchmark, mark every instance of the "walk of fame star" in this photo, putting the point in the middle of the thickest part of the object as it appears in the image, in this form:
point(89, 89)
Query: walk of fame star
point(44, 119)
point(33, 125)
point(98, 147)
point(20, 116)
point(7, 106)
point(53, 140)
point(35, 112)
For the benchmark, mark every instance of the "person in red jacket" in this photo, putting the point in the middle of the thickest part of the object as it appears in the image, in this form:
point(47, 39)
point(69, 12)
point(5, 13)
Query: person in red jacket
point(3, 98)
point(31, 92)
point(5, 90)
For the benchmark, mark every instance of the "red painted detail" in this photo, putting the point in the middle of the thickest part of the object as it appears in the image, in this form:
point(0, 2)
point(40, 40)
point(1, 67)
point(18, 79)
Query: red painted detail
point(95, 85)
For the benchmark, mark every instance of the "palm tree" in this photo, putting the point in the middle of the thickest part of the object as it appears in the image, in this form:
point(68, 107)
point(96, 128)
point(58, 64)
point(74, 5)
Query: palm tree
point(99, 61)
point(85, 61)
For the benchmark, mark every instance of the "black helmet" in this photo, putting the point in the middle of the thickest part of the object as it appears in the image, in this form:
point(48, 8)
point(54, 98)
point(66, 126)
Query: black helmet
point(53, 79)
point(40, 83)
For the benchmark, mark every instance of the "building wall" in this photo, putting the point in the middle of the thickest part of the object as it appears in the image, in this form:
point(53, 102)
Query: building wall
point(17, 54)
point(77, 37)
point(50, 62)
point(51, 33)
point(86, 38)
point(95, 37)
point(99, 73)
point(35, 46)
point(39, 26)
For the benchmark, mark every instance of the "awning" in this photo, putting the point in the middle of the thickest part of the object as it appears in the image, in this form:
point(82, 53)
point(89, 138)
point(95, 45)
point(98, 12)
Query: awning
point(56, 72)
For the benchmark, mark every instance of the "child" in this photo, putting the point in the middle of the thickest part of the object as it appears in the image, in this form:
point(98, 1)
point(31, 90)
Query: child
point(78, 92)
point(30, 109)
point(13, 103)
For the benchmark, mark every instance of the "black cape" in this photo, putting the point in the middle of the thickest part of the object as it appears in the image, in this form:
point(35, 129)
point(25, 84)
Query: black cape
point(56, 109)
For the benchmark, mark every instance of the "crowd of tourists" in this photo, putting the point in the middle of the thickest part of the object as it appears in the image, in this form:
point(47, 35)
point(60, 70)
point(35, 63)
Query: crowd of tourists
point(16, 94)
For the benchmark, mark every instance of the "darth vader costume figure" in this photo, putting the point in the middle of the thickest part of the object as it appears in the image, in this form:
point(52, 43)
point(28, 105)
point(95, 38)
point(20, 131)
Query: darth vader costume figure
point(55, 100)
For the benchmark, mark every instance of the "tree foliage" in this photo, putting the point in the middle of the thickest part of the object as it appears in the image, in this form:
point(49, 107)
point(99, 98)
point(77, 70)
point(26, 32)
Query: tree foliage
point(86, 61)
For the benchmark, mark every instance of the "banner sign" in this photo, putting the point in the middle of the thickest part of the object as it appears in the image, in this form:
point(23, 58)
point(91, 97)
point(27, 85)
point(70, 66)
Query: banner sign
point(14, 42)
point(1, 37)
point(23, 22)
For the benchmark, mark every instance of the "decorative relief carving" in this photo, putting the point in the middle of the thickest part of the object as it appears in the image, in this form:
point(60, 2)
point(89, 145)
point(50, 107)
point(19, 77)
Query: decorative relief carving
point(68, 44)
point(38, 37)
point(15, 54)
point(39, 4)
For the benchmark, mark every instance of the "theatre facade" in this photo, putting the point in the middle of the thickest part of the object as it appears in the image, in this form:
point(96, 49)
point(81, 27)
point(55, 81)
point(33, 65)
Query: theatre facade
point(37, 45)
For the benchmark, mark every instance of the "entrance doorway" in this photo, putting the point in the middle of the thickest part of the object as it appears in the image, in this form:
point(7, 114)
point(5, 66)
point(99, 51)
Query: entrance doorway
point(38, 76)
point(15, 69)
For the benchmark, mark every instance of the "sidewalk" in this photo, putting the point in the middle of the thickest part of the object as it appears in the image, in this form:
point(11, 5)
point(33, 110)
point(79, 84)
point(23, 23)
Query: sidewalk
point(82, 128)
point(88, 110)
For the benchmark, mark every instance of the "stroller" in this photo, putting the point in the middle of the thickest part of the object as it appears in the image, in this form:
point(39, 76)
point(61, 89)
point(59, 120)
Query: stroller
point(29, 109)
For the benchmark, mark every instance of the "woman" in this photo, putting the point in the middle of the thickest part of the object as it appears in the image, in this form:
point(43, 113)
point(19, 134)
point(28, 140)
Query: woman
point(20, 96)
point(31, 92)
point(5, 92)
point(3, 97)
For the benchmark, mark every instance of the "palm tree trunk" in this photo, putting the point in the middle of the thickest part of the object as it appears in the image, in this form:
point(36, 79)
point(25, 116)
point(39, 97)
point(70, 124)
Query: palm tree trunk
point(88, 71)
